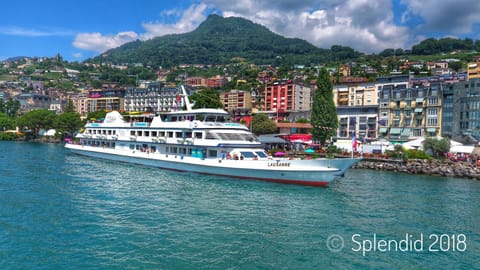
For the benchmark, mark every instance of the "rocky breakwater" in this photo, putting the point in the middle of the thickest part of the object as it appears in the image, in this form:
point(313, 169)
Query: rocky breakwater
point(422, 166)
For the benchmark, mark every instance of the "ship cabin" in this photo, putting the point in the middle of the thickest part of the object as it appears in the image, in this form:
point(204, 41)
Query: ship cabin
point(202, 115)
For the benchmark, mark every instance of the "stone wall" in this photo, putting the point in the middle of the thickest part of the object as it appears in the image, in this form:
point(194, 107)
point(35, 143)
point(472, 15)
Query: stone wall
point(421, 166)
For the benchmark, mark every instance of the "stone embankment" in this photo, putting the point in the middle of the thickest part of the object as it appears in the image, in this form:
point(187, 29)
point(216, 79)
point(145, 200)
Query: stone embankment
point(420, 166)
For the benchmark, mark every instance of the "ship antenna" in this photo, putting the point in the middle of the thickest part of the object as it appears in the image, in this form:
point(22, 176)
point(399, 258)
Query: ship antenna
point(185, 98)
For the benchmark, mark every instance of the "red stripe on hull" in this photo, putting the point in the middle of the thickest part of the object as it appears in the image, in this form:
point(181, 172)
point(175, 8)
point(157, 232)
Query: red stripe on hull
point(280, 181)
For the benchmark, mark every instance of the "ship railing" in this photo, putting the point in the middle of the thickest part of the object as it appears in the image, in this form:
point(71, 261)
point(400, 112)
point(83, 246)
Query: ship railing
point(159, 139)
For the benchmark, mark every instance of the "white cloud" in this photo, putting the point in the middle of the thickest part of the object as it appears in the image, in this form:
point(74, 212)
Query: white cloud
point(98, 42)
point(365, 25)
point(31, 32)
point(190, 19)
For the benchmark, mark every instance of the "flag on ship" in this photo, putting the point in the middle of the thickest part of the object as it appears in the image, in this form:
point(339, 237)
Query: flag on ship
point(354, 142)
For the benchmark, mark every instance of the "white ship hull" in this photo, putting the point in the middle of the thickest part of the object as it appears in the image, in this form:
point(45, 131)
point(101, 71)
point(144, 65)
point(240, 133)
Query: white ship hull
point(315, 172)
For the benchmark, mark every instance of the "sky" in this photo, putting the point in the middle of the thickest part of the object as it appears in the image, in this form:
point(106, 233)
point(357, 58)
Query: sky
point(78, 30)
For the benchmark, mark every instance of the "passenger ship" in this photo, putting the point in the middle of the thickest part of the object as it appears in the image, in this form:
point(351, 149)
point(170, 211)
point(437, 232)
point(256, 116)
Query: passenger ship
point(201, 141)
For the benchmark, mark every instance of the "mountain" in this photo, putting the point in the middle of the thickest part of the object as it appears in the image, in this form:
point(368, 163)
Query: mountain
point(15, 58)
point(218, 40)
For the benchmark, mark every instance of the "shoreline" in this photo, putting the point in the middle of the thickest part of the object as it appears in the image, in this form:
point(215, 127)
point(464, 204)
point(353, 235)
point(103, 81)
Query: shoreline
point(422, 166)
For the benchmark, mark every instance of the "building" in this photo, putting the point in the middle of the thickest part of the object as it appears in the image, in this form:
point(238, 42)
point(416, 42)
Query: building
point(473, 70)
point(156, 98)
point(390, 82)
point(461, 115)
point(359, 120)
point(105, 104)
point(80, 103)
point(216, 82)
point(409, 113)
point(303, 97)
point(355, 94)
point(236, 99)
point(357, 110)
point(106, 100)
point(30, 102)
point(345, 70)
point(196, 81)
point(279, 98)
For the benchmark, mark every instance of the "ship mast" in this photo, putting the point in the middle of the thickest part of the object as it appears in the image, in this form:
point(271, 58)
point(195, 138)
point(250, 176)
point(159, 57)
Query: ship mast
point(185, 98)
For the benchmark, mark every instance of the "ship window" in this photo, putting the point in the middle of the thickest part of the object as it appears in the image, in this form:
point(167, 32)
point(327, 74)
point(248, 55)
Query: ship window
point(188, 134)
point(198, 135)
point(247, 154)
point(173, 150)
point(132, 132)
point(139, 133)
point(162, 134)
point(212, 153)
point(183, 151)
point(210, 118)
point(170, 134)
point(173, 118)
point(211, 136)
point(178, 135)
point(261, 154)
point(146, 133)
point(109, 132)
point(154, 134)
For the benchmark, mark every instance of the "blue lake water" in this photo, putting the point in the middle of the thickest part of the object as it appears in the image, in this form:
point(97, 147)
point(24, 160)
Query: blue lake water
point(63, 211)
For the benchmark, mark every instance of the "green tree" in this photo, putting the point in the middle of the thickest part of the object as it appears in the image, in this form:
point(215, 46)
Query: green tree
point(68, 123)
point(96, 84)
point(69, 107)
point(207, 98)
point(438, 147)
point(324, 114)
point(96, 115)
point(11, 107)
point(455, 65)
point(6, 122)
point(36, 120)
point(303, 120)
point(262, 125)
